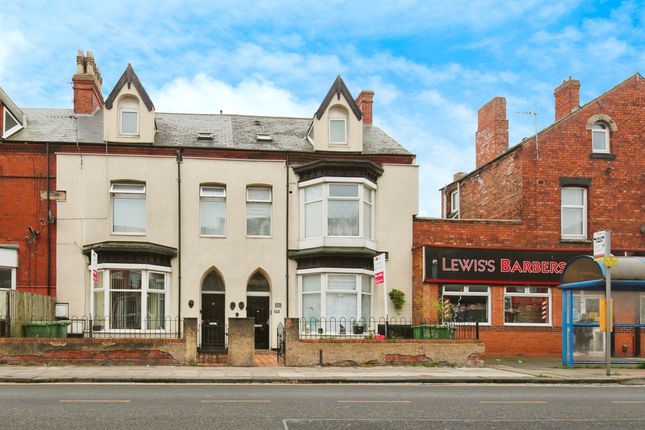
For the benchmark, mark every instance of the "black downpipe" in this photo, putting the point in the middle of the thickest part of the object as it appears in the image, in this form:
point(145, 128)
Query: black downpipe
point(179, 161)
point(287, 244)
point(49, 234)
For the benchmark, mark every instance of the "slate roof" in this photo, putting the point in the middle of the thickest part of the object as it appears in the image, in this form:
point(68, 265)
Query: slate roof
point(179, 129)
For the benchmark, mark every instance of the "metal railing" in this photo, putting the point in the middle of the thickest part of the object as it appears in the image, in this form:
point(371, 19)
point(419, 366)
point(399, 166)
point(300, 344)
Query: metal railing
point(382, 328)
point(89, 327)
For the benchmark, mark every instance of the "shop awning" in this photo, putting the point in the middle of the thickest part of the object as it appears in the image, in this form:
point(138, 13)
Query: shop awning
point(583, 272)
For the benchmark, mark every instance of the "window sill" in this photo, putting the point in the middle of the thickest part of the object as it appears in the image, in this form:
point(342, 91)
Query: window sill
point(213, 236)
point(526, 325)
point(574, 240)
point(248, 236)
point(125, 233)
point(602, 155)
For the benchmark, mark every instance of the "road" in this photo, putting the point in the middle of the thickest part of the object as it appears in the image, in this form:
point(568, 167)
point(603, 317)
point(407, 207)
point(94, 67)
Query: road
point(312, 407)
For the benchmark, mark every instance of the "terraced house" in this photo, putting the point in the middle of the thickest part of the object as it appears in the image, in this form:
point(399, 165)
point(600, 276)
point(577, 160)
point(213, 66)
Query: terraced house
point(216, 215)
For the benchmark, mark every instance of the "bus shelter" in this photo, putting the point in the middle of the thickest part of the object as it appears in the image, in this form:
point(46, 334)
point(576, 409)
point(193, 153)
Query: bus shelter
point(583, 285)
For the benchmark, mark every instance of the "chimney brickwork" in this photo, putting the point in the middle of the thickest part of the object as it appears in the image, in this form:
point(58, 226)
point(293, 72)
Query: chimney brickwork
point(87, 84)
point(492, 131)
point(567, 98)
point(364, 102)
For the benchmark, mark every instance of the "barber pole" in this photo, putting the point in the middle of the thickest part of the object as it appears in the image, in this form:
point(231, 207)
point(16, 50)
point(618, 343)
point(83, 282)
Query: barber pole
point(446, 309)
point(545, 310)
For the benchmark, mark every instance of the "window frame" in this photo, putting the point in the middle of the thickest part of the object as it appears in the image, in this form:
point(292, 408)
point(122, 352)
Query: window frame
point(12, 278)
point(583, 207)
point(344, 121)
point(605, 132)
point(323, 274)
point(127, 105)
point(137, 188)
point(325, 183)
point(454, 204)
point(268, 202)
point(213, 198)
point(466, 292)
point(145, 269)
point(6, 132)
point(528, 293)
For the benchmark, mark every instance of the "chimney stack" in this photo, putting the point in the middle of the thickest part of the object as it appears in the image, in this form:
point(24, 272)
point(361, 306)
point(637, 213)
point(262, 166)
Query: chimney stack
point(567, 98)
point(87, 84)
point(492, 131)
point(364, 102)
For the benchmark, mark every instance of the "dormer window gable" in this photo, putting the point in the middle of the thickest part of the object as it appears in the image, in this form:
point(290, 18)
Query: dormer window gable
point(12, 119)
point(338, 123)
point(129, 112)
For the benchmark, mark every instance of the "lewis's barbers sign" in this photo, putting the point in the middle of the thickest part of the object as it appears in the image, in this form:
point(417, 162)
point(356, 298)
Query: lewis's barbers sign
point(495, 266)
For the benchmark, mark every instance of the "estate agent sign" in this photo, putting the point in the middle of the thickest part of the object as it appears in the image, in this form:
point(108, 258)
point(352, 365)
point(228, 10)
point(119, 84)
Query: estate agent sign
point(501, 266)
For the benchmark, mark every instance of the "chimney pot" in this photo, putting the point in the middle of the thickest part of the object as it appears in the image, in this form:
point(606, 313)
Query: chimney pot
point(364, 102)
point(491, 138)
point(87, 84)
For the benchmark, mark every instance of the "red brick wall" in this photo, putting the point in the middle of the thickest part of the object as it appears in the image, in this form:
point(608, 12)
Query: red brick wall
point(22, 178)
point(567, 97)
point(524, 185)
point(492, 131)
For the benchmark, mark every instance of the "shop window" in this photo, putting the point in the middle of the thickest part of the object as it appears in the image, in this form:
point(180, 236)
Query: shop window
point(212, 210)
point(339, 299)
point(468, 303)
point(130, 299)
point(258, 211)
point(128, 208)
point(527, 305)
point(574, 213)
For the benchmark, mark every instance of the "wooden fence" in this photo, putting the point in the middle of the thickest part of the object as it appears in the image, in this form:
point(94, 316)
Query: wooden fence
point(17, 307)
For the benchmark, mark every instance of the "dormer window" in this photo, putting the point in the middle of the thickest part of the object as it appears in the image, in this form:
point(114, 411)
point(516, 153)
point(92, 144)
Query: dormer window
point(129, 116)
point(600, 137)
point(337, 126)
point(11, 124)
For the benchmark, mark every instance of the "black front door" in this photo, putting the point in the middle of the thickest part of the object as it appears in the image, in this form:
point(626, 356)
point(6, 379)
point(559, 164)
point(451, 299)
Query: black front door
point(258, 308)
point(213, 327)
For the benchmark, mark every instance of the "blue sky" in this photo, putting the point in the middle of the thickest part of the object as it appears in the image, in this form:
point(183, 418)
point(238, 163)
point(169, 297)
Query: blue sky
point(432, 64)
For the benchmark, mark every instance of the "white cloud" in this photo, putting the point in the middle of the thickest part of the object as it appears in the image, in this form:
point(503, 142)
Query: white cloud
point(204, 94)
point(13, 41)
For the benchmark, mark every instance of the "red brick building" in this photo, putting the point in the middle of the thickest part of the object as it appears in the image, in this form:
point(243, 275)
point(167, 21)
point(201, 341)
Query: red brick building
point(509, 226)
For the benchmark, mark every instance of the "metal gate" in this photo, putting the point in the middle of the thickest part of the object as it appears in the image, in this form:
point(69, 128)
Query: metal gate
point(281, 351)
point(213, 335)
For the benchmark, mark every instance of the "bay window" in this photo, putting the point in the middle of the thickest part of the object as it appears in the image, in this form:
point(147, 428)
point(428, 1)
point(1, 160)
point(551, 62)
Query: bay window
point(128, 208)
point(130, 298)
point(527, 305)
point(468, 303)
point(338, 209)
point(340, 300)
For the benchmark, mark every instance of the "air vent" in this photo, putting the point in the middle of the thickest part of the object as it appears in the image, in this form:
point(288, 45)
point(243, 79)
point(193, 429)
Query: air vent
point(257, 122)
point(204, 136)
point(264, 137)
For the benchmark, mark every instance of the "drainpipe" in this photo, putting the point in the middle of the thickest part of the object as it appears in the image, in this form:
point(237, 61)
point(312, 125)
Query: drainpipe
point(49, 234)
point(287, 245)
point(179, 160)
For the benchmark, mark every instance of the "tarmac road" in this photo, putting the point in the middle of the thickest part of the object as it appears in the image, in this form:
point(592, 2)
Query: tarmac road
point(312, 407)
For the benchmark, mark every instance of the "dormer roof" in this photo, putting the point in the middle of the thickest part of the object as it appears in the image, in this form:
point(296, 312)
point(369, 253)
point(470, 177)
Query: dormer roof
point(11, 106)
point(338, 88)
point(130, 78)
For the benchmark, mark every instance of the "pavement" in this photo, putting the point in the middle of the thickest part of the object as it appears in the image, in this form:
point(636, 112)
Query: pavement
point(496, 370)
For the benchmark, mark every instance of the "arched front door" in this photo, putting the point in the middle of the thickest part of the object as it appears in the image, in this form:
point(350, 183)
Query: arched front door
point(257, 306)
point(213, 312)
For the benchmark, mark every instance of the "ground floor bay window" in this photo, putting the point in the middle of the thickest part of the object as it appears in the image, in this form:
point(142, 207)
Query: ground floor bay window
point(467, 303)
point(335, 302)
point(130, 298)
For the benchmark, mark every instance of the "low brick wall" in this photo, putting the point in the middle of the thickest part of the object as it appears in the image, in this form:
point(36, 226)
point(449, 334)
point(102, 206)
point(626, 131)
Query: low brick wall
point(348, 352)
point(103, 351)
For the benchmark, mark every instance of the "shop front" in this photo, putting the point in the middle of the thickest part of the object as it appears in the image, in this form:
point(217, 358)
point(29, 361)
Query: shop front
point(510, 294)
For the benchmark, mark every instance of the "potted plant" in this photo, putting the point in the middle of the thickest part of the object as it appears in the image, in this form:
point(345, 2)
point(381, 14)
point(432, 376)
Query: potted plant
point(440, 328)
